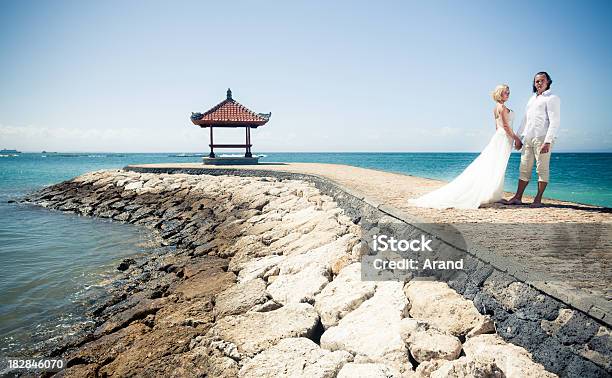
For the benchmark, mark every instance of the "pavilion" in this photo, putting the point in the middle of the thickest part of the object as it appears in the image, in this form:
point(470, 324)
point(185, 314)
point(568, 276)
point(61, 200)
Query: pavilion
point(230, 113)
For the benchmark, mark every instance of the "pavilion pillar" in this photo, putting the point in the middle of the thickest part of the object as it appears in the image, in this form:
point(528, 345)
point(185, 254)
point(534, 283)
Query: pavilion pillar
point(248, 143)
point(212, 152)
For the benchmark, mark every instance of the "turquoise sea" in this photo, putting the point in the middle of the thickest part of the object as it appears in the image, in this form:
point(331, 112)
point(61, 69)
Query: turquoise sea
point(53, 264)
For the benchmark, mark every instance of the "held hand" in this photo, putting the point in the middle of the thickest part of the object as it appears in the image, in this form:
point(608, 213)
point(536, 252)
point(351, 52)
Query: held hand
point(518, 144)
point(545, 148)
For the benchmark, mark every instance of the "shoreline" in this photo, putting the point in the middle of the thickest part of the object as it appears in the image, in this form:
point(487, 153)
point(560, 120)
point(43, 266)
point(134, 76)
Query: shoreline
point(141, 315)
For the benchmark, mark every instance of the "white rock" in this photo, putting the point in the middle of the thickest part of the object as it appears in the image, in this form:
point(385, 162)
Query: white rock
point(326, 254)
point(433, 344)
point(295, 357)
point(437, 304)
point(513, 360)
point(253, 332)
point(268, 306)
point(372, 331)
point(486, 325)
point(343, 295)
point(408, 326)
point(303, 275)
point(463, 367)
point(257, 267)
point(133, 185)
point(368, 370)
point(301, 286)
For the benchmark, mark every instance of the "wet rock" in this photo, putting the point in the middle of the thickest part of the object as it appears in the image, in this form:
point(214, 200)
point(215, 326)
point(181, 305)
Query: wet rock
point(123, 217)
point(141, 212)
point(125, 264)
point(106, 213)
point(140, 311)
point(107, 347)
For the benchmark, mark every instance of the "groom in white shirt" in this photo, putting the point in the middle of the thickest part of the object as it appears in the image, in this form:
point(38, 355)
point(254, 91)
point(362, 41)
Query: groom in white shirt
point(538, 132)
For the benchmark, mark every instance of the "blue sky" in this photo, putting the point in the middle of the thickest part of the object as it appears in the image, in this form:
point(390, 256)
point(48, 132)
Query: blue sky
point(337, 76)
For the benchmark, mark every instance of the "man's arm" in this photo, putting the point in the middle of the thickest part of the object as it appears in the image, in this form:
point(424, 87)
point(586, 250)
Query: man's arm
point(553, 108)
point(522, 127)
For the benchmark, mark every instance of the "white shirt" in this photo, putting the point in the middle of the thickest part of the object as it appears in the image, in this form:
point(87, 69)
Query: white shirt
point(542, 117)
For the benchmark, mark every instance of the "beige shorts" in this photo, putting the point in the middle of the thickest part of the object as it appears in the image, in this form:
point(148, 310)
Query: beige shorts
point(531, 151)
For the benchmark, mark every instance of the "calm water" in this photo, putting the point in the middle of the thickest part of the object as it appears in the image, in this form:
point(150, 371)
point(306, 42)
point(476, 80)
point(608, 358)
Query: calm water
point(53, 263)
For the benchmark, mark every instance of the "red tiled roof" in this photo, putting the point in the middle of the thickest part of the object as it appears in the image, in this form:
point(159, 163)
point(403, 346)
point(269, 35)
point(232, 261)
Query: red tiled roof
point(229, 113)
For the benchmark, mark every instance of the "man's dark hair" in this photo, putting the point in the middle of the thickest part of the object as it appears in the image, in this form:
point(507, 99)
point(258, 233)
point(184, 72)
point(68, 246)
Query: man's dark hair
point(547, 78)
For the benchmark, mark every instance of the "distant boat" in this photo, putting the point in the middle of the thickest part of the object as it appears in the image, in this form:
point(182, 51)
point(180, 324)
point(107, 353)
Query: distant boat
point(3, 151)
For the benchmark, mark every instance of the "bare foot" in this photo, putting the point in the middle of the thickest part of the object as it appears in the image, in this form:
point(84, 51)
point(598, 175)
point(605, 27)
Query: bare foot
point(536, 205)
point(515, 201)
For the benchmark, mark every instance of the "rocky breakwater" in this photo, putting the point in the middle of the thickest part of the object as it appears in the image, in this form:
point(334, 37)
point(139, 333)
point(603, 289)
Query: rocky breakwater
point(264, 281)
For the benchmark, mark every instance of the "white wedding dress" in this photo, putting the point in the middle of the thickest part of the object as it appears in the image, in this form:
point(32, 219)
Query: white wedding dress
point(481, 182)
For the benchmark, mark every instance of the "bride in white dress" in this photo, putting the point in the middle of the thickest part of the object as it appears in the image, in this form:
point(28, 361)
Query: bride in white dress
point(482, 181)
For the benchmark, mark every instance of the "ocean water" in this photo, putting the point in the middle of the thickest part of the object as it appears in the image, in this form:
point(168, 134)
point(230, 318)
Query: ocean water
point(54, 264)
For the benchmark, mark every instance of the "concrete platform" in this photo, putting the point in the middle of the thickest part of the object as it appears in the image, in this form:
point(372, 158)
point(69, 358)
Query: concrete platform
point(230, 160)
point(530, 245)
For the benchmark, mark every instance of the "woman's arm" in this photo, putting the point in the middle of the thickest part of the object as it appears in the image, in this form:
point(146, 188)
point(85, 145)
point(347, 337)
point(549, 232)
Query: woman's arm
point(504, 113)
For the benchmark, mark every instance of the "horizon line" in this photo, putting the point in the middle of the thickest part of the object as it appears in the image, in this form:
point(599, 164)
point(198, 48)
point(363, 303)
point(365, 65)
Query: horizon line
point(300, 152)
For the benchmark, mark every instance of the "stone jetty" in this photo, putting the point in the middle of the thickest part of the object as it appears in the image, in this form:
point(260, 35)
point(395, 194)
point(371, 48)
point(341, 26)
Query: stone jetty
point(263, 280)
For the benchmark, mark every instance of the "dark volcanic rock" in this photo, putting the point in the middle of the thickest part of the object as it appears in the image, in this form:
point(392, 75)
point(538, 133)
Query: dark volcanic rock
point(125, 264)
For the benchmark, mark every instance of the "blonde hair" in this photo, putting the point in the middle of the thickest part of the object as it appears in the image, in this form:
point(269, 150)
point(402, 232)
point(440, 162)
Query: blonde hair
point(497, 92)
